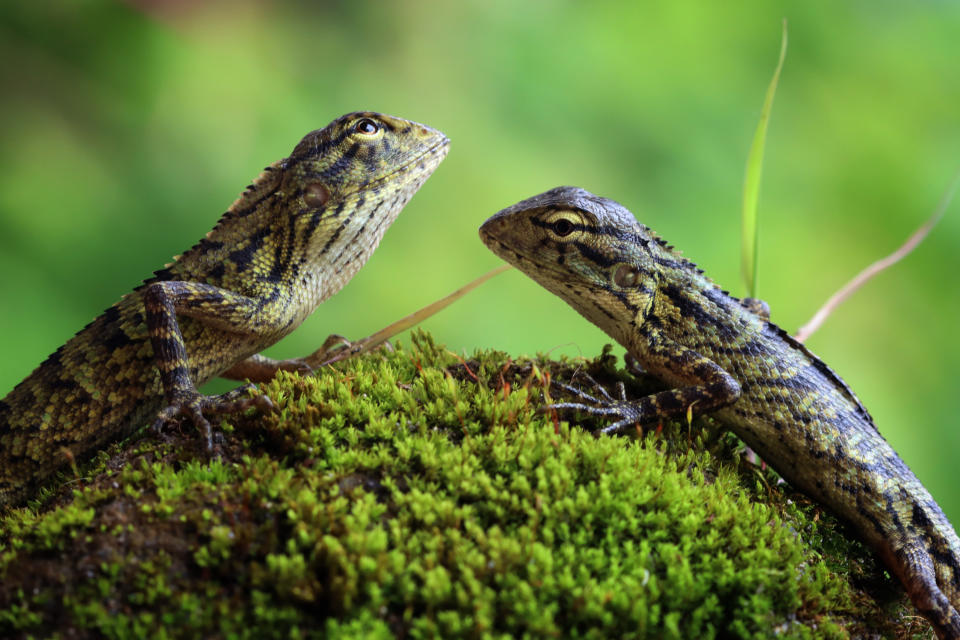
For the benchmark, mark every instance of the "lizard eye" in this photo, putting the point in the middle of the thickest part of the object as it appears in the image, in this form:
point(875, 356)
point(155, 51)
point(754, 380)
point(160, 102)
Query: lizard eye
point(563, 224)
point(563, 227)
point(366, 126)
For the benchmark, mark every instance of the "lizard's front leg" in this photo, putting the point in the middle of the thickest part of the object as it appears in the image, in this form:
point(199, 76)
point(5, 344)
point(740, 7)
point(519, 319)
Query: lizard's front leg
point(707, 386)
point(211, 305)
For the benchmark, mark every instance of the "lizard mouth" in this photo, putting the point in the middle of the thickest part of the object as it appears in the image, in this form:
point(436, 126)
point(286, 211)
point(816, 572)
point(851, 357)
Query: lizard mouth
point(438, 151)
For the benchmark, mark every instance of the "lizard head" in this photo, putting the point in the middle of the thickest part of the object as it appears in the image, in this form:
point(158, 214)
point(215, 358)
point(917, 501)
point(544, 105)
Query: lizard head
point(312, 219)
point(588, 250)
point(363, 153)
point(343, 186)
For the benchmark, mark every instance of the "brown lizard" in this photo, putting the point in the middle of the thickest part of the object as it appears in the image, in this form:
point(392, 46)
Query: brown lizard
point(722, 356)
point(294, 238)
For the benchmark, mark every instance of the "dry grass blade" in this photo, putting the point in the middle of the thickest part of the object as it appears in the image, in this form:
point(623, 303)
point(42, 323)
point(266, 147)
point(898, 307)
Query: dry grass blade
point(415, 318)
point(861, 278)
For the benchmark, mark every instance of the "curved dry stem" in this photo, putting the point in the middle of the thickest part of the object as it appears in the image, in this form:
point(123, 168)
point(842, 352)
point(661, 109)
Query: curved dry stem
point(861, 278)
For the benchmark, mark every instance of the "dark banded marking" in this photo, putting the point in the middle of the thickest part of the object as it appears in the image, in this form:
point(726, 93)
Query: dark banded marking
point(593, 255)
point(360, 231)
point(283, 252)
point(333, 237)
point(689, 307)
point(610, 231)
point(242, 257)
point(343, 163)
point(623, 298)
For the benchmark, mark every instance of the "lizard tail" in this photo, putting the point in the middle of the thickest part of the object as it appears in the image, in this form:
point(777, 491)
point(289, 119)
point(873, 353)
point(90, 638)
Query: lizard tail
point(944, 548)
point(928, 565)
point(916, 567)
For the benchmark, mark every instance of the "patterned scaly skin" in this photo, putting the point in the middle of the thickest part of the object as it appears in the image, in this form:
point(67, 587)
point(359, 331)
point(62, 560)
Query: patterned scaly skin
point(724, 358)
point(292, 239)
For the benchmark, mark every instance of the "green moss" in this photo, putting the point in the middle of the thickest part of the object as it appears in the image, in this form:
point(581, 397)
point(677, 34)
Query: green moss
point(418, 494)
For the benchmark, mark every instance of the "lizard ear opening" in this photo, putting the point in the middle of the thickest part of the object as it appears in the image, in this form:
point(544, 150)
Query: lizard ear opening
point(626, 276)
point(316, 195)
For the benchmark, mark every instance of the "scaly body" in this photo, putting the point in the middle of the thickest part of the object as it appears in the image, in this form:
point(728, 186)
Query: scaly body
point(724, 358)
point(292, 239)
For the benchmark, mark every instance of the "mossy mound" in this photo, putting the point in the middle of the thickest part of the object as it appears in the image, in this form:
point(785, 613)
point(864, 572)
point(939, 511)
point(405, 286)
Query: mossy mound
point(414, 494)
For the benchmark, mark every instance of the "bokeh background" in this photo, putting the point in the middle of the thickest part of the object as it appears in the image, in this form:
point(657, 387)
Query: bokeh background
point(126, 129)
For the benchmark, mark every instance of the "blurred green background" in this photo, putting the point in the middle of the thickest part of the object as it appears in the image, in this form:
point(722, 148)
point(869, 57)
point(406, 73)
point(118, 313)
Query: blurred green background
point(126, 129)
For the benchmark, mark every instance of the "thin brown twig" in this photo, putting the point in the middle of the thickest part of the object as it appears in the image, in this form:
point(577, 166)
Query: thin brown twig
point(371, 342)
point(804, 332)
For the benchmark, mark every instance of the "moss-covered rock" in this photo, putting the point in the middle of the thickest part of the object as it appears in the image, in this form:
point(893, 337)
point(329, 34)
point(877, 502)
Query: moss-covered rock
point(417, 494)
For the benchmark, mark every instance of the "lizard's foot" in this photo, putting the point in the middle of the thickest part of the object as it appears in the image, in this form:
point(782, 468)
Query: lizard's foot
point(335, 347)
point(194, 404)
point(258, 368)
point(621, 408)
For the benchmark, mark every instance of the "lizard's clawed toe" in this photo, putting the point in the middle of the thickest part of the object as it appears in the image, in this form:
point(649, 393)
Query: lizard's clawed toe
point(606, 405)
point(195, 404)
